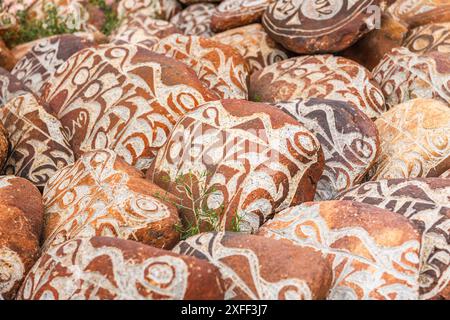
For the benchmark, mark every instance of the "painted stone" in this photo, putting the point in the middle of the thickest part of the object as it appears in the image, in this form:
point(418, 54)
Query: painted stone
point(143, 30)
point(349, 141)
point(38, 143)
point(236, 13)
point(420, 12)
point(415, 140)
point(258, 160)
point(374, 253)
point(256, 268)
point(219, 67)
point(258, 49)
point(123, 97)
point(101, 195)
point(7, 59)
point(156, 9)
point(103, 268)
point(403, 76)
point(45, 57)
point(20, 230)
point(4, 145)
point(432, 37)
point(319, 76)
point(195, 20)
point(446, 174)
point(10, 87)
point(191, 2)
point(425, 202)
point(372, 47)
point(308, 27)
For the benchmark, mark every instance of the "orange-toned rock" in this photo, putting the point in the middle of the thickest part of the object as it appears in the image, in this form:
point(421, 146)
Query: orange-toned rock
point(403, 76)
point(318, 76)
point(374, 252)
point(420, 12)
point(425, 202)
point(220, 67)
point(371, 48)
point(428, 38)
point(101, 195)
point(45, 57)
point(256, 158)
point(195, 20)
point(123, 97)
point(256, 268)
point(236, 13)
point(258, 49)
point(103, 268)
point(7, 59)
point(349, 141)
point(20, 230)
point(415, 140)
point(38, 143)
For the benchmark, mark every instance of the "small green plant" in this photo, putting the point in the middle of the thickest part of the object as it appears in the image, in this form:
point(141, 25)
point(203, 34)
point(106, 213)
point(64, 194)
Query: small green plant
point(203, 217)
point(112, 21)
point(32, 29)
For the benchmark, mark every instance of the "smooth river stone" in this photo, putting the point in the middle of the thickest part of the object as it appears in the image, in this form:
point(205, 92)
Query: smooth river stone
point(20, 231)
point(101, 195)
point(415, 140)
point(236, 13)
point(307, 26)
point(195, 20)
point(142, 30)
point(39, 145)
point(425, 202)
point(257, 268)
point(258, 49)
point(45, 57)
point(403, 76)
point(7, 59)
point(258, 159)
point(219, 67)
point(123, 97)
point(446, 174)
point(318, 76)
point(349, 140)
point(374, 253)
point(104, 268)
point(420, 12)
point(428, 38)
point(156, 9)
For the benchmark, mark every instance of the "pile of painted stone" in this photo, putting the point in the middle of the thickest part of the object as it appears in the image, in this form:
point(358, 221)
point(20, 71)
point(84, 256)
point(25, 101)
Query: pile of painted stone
point(314, 134)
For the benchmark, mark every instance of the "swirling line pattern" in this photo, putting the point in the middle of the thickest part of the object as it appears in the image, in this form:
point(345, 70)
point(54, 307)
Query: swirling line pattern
point(220, 67)
point(428, 38)
point(415, 140)
point(365, 264)
point(319, 76)
point(349, 140)
point(406, 10)
point(403, 76)
point(38, 142)
point(45, 57)
point(114, 269)
point(258, 49)
point(195, 20)
point(258, 159)
point(426, 202)
point(122, 97)
point(317, 26)
point(244, 261)
point(235, 13)
point(99, 195)
point(143, 30)
point(156, 9)
point(10, 87)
